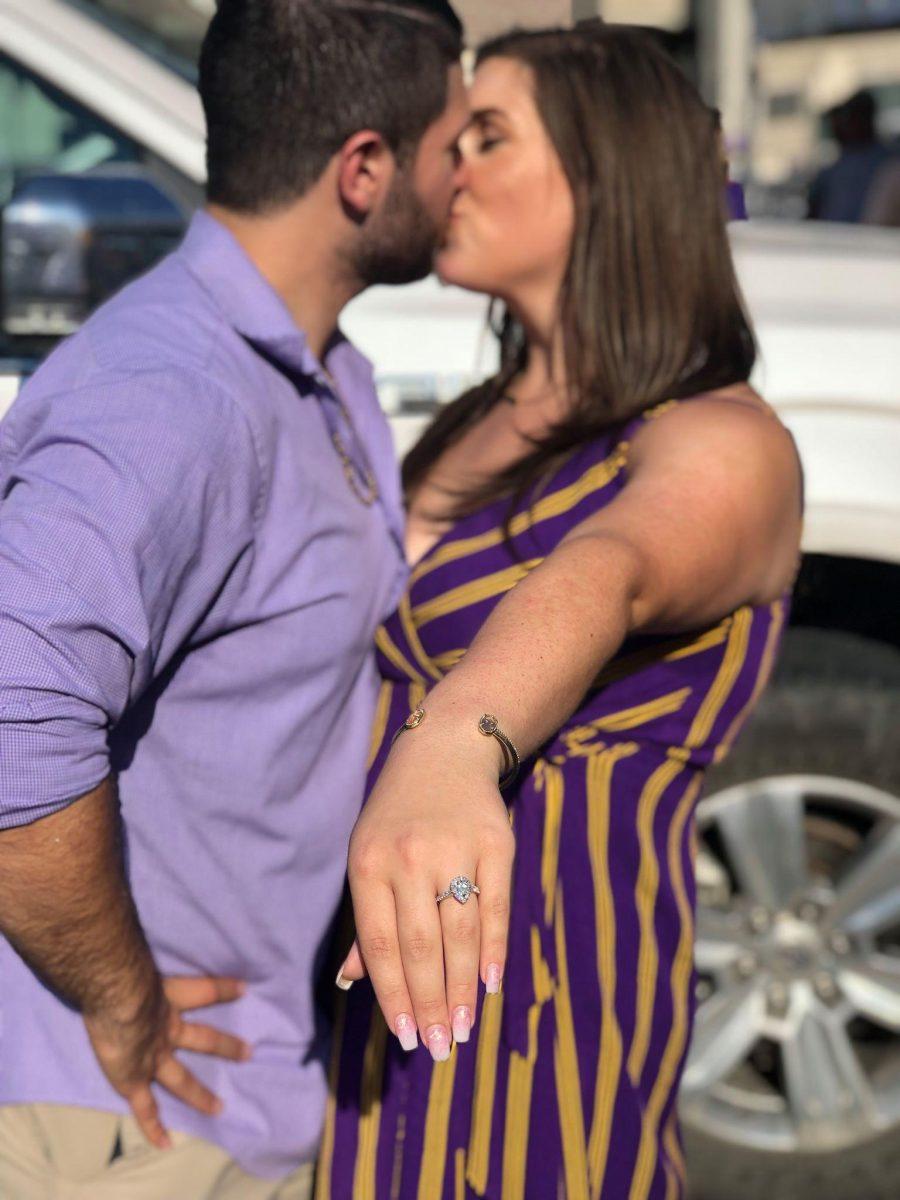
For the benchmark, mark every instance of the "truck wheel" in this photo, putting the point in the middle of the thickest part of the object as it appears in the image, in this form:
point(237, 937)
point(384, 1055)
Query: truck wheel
point(792, 1088)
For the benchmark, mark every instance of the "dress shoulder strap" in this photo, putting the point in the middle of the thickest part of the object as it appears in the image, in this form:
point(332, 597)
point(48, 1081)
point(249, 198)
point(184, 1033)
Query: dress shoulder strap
point(635, 424)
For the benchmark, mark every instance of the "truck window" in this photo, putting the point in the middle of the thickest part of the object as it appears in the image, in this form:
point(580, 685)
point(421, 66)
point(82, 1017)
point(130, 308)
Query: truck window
point(43, 129)
point(171, 31)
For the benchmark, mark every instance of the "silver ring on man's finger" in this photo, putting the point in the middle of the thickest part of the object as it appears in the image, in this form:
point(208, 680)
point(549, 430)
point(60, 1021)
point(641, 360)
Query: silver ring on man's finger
point(460, 889)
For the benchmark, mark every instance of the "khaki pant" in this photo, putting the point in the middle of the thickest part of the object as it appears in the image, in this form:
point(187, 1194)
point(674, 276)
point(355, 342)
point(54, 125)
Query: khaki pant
point(49, 1152)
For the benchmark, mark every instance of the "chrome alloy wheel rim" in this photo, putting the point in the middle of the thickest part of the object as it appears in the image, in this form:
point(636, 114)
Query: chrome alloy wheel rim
point(796, 1043)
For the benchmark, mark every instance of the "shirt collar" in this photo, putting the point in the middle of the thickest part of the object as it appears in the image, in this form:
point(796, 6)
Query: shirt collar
point(251, 305)
point(255, 310)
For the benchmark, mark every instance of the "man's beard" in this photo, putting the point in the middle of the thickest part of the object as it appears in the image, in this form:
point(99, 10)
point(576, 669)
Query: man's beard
point(399, 245)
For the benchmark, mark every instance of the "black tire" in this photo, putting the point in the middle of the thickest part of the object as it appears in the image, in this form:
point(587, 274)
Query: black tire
point(832, 709)
point(723, 1172)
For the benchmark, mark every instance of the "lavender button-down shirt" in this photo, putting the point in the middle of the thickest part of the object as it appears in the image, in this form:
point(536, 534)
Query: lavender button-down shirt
point(189, 590)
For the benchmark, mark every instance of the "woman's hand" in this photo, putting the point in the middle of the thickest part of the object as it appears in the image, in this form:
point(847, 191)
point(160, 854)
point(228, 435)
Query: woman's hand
point(137, 1048)
point(436, 813)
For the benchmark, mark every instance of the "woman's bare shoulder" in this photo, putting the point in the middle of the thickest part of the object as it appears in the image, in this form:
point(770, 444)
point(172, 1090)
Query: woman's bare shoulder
point(729, 431)
point(742, 395)
point(709, 416)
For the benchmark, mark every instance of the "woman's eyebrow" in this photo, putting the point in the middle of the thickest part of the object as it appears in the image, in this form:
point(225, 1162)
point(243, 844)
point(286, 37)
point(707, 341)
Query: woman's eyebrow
point(481, 115)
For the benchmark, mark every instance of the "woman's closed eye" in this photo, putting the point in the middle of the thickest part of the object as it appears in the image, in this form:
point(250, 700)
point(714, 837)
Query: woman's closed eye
point(483, 134)
point(489, 133)
point(478, 141)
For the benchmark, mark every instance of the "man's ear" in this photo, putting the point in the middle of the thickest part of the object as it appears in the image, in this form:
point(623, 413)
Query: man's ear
point(366, 168)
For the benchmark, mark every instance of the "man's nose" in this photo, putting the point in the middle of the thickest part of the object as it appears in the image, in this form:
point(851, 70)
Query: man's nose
point(461, 172)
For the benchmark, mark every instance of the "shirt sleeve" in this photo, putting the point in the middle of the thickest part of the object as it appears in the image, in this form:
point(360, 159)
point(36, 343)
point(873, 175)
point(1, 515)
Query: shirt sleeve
point(125, 510)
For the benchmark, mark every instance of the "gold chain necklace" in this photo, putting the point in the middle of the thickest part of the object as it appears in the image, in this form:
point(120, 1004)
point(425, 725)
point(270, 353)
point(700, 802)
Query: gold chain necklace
point(362, 481)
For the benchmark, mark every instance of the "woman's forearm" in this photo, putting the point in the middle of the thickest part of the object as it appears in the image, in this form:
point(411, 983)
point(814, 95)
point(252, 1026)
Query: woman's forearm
point(538, 653)
point(435, 811)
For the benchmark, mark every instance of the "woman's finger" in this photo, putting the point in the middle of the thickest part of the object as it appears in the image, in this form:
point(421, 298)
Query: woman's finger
point(187, 993)
point(145, 1112)
point(462, 960)
point(353, 970)
point(422, 952)
point(178, 1080)
point(376, 931)
point(203, 1039)
point(495, 882)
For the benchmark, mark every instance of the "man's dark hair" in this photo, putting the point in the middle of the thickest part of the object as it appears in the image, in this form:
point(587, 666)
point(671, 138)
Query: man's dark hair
point(853, 122)
point(860, 106)
point(285, 83)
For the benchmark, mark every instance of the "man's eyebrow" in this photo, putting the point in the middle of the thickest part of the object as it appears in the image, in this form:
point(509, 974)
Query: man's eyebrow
point(467, 124)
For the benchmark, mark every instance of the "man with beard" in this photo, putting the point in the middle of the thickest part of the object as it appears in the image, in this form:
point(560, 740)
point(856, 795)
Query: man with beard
point(201, 529)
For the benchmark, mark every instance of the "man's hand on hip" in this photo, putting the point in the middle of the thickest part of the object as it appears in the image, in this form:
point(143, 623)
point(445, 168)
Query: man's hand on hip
point(137, 1049)
point(66, 907)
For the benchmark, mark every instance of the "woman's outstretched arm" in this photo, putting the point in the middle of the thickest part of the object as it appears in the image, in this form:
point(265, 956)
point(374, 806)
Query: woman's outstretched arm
point(708, 520)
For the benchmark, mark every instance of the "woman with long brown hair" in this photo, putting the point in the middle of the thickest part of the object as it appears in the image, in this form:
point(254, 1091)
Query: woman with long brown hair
point(619, 496)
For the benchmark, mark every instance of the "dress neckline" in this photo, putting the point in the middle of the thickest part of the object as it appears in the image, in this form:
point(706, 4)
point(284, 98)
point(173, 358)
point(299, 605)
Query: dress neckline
point(587, 447)
point(435, 546)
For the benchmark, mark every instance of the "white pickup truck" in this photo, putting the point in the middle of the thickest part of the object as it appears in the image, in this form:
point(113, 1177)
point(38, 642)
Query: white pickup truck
point(793, 1085)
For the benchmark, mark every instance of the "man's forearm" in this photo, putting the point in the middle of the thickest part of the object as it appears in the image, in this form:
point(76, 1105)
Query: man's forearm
point(66, 908)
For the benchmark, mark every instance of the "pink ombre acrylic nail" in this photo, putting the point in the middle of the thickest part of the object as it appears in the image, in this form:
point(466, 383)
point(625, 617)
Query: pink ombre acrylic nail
point(405, 1028)
point(344, 984)
point(437, 1039)
point(462, 1024)
point(493, 978)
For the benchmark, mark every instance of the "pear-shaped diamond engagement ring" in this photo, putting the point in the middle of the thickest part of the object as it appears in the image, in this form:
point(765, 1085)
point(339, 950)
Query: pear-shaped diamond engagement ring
point(460, 889)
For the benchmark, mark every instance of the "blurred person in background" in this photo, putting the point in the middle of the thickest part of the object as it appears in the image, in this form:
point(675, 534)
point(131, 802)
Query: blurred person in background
point(603, 540)
point(844, 191)
point(883, 201)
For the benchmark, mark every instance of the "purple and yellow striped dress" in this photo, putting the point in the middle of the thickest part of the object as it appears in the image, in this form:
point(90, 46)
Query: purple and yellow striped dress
point(568, 1087)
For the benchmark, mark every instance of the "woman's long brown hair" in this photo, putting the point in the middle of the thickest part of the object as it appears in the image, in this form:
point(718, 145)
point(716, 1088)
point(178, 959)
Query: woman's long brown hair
point(650, 305)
